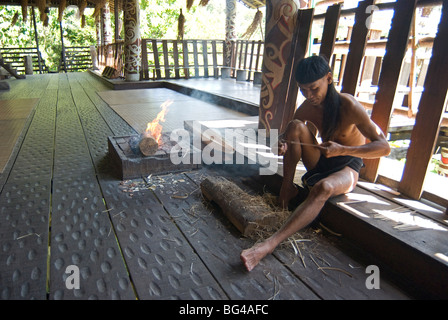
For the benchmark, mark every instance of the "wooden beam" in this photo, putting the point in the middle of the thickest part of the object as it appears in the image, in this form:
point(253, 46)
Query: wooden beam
point(165, 59)
point(215, 60)
point(357, 48)
point(430, 111)
point(390, 72)
point(155, 51)
point(299, 49)
point(205, 57)
point(36, 38)
point(176, 59)
point(185, 59)
point(145, 68)
point(330, 30)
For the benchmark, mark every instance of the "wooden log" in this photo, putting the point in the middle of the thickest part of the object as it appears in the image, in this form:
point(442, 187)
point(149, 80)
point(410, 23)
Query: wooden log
point(245, 214)
point(148, 145)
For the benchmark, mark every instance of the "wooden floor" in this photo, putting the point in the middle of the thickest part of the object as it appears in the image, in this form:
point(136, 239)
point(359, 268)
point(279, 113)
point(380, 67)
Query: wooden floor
point(61, 206)
point(13, 116)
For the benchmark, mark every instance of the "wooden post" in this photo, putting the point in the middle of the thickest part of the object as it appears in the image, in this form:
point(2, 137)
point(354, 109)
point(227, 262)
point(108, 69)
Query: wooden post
point(36, 38)
point(176, 59)
point(357, 47)
point(299, 49)
point(155, 51)
point(107, 34)
point(281, 22)
point(230, 31)
point(390, 72)
point(429, 115)
point(330, 30)
point(165, 59)
point(116, 18)
point(215, 60)
point(195, 58)
point(145, 68)
point(411, 102)
point(28, 62)
point(132, 41)
point(63, 62)
point(205, 57)
point(185, 59)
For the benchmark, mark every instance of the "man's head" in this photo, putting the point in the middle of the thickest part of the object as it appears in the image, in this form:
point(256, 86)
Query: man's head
point(313, 75)
point(315, 80)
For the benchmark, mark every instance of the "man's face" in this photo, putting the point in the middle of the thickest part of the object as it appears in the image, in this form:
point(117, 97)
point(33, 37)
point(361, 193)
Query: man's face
point(315, 92)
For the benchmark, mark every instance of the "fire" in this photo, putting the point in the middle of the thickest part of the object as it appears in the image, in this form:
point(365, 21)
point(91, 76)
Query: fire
point(154, 128)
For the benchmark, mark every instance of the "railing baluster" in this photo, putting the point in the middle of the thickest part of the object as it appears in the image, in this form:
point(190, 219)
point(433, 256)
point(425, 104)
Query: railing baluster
point(176, 59)
point(196, 63)
point(215, 60)
point(185, 58)
point(205, 55)
point(156, 59)
point(165, 59)
point(145, 71)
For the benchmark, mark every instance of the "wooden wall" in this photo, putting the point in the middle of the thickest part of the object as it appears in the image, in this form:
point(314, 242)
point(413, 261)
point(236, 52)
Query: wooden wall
point(277, 102)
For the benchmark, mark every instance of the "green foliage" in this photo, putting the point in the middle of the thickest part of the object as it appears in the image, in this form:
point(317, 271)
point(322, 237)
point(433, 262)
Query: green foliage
point(158, 21)
point(22, 33)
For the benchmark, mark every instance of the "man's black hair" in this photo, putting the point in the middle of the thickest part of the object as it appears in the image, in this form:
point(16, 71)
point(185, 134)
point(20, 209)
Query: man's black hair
point(314, 68)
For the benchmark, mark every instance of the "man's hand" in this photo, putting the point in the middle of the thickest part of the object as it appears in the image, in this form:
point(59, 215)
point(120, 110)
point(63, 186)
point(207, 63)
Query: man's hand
point(331, 149)
point(282, 147)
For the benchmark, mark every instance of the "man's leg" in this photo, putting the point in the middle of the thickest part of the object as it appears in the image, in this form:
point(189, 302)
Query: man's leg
point(338, 183)
point(298, 132)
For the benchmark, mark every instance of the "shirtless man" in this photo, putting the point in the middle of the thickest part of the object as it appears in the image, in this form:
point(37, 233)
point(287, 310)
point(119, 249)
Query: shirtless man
point(348, 135)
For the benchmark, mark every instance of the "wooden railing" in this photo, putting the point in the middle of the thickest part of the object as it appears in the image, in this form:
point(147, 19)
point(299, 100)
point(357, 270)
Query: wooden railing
point(15, 57)
point(78, 59)
point(112, 55)
point(247, 55)
point(174, 59)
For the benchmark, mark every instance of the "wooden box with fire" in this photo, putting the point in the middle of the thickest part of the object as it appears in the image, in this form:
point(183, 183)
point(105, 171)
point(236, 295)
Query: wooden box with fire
point(129, 162)
point(151, 152)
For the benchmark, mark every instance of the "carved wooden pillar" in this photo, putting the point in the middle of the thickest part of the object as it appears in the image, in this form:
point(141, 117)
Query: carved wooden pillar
point(230, 31)
point(107, 27)
point(281, 19)
point(106, 34)
point(132, 40)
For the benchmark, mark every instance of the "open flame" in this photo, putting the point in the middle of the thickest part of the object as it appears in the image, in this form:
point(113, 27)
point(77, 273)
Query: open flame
point(154, 128)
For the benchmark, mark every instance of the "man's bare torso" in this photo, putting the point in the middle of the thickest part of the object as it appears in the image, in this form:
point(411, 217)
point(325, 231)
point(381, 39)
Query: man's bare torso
point(347, 132)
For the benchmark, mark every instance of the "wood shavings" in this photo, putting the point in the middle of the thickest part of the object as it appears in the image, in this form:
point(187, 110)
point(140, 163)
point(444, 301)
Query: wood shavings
point(27, 235)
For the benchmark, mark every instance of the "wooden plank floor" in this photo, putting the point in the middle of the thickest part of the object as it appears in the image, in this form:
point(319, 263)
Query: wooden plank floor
point(61, 206)
point(13, 116)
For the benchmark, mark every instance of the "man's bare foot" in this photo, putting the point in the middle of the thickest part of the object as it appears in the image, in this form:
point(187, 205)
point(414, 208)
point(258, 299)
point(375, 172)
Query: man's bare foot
point(252, 256)
point(287, 192)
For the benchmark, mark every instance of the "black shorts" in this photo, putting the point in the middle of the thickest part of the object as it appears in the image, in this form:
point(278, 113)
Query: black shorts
point(326, 166)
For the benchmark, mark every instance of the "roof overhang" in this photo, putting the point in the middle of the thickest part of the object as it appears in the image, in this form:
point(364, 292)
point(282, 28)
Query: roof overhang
point(49, 3)
point(254, 4)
